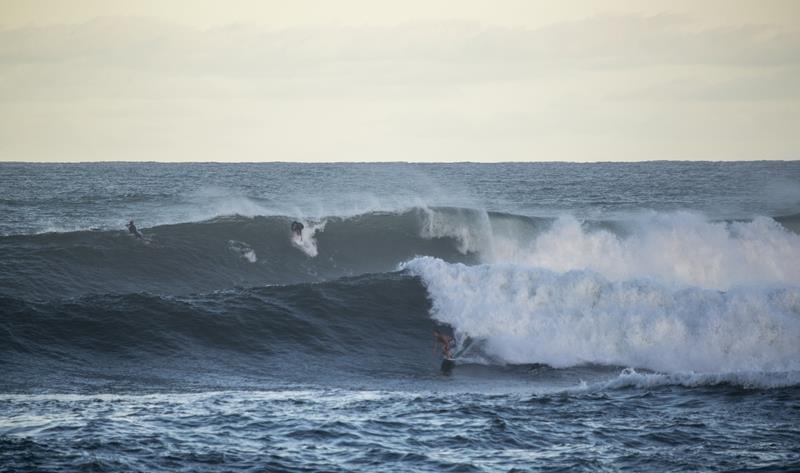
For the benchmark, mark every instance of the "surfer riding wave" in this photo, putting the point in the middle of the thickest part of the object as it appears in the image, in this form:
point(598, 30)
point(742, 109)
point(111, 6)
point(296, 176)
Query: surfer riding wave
point(297, 229)
point(133, 230)
point(444, 341)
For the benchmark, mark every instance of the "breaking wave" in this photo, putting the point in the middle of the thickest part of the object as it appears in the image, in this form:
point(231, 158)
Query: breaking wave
point(534, 315)
point(675, 293)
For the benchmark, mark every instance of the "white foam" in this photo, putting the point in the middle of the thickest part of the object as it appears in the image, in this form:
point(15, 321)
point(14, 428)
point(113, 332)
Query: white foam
point(629, 377)
point(307, 242)
point(681, 248)
point(243, 250)
point(250, 256)
point(535, 315)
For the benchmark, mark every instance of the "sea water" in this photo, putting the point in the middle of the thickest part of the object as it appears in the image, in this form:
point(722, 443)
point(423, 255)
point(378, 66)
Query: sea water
point(640, 317)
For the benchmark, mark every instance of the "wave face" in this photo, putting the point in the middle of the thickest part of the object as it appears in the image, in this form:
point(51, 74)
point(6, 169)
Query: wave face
point(218, 254)
point(374, 323)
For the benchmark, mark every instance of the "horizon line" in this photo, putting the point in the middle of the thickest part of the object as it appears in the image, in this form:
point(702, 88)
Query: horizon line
point(413, 162)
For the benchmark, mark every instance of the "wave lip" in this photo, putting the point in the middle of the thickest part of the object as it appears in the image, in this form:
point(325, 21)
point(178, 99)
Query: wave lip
point(534, 315)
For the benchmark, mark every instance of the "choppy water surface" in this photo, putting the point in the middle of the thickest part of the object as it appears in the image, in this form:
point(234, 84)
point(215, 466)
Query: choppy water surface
point(606, 317)
point(655, 428)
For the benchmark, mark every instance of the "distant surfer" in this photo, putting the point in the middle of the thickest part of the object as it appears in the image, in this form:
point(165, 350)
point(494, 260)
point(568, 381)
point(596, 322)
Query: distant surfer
point(444, 340)
point(297, 229)
point(134, 231)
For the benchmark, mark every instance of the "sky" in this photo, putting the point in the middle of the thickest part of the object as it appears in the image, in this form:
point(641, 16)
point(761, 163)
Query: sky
point(423, 81)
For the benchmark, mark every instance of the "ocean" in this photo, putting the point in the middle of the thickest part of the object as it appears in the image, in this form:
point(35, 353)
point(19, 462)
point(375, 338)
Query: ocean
point(605, 317)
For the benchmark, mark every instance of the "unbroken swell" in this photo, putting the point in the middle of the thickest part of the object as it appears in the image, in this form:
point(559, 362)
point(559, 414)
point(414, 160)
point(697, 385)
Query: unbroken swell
point(378, 321)
point(216, 254)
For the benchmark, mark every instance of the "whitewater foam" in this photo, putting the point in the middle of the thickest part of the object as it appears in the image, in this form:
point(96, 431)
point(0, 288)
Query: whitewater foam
point(535, 315)
point(243, 249)
point(682, 248)
point(307, 242)
point(629, 377)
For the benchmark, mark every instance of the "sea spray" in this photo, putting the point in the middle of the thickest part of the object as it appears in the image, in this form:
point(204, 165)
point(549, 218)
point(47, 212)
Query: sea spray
point(674, 248)
point(471, 228)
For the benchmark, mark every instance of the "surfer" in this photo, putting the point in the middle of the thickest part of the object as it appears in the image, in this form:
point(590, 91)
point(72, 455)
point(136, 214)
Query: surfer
point(445, 340)
point(297, 228)
point(132, 228)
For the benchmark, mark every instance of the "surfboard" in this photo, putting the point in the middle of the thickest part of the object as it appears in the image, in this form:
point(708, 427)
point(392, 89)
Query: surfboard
point(465, 346)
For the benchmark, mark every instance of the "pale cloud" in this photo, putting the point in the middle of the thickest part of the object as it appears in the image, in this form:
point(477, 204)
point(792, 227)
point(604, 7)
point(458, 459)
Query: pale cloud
point(280, 13)
point(604, 87)
point(772, 85)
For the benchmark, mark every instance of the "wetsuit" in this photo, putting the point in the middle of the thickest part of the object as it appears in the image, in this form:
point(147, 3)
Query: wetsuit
point(297, 228)
point(133, 230)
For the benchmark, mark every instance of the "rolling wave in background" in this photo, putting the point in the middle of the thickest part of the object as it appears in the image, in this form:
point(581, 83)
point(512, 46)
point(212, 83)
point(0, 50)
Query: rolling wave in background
point(216, 254)
point(674, 248)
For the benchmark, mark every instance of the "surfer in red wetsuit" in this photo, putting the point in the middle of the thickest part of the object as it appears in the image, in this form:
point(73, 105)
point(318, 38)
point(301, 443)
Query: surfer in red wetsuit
point(445, 341)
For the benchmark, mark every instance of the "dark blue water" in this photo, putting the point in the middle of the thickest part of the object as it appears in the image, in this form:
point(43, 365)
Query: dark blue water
point(606, 317)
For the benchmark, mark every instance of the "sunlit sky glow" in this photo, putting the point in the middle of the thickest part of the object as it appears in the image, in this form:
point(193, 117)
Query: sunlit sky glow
point(349, 80)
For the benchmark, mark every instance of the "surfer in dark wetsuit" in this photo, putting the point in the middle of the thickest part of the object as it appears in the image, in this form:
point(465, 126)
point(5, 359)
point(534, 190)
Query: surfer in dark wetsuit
point(132, 228)
point(297, 228)
point(445, 341)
